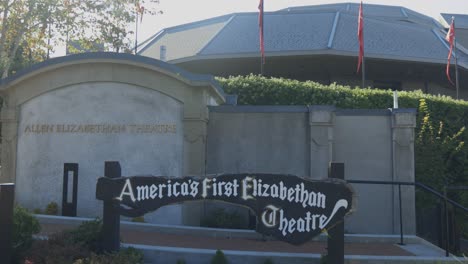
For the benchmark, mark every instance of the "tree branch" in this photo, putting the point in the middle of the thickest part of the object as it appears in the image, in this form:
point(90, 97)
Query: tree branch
point(9, 59)
point(4, 29)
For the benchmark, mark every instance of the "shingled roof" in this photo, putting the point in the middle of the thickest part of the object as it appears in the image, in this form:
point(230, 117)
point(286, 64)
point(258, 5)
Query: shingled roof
point(390, 32)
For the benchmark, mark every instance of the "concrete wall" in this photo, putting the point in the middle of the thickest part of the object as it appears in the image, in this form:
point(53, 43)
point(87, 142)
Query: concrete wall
point(258, 142)
point(41, 154)
point(302, 140)
point(363, 142)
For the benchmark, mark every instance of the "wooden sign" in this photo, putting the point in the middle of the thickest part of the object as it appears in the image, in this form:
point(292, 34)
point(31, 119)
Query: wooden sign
point(289, 208)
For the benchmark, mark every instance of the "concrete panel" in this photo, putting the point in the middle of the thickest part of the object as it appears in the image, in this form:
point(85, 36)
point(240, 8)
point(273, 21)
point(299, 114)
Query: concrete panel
point(44, 145)
point(403, 124)
point(363, 143)
point(268, 142)
point(258, 142)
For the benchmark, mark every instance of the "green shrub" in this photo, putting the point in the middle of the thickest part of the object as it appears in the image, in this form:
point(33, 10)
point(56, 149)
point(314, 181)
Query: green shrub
point(139, 219)
point(219, 218)
point(80, 245)
point(440, 149)
point(124, 256)
point(181, 261)
point(37, 211)
point(268, 261)
point(58, 249)
point(440, 159)
point(24, 227)
point(324, 259)
point(51, 209)
point(87, 235)
point(219, 258)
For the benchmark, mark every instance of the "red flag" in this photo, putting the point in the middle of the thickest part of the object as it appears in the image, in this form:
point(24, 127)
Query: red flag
point(260, 25)
point(360, 37)
point(451, 39)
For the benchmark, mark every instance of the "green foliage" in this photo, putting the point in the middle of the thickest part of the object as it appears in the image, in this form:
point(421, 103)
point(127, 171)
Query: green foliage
point(268, 261)
point(439, 154)
point(58, 249)
point(139, 219)
point(32, 28)
point(37, 211)
point(24, 227)
point(124, 256)
point(219, 258)
point(181, 261)
point(257, 90)
point(51, 209)
point(78, 246)
point(87, 235)
point(324, 259)
point(441, 160)
point(219, 218)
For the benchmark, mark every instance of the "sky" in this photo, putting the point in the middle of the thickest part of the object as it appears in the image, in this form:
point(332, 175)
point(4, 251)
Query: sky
point(177, 12)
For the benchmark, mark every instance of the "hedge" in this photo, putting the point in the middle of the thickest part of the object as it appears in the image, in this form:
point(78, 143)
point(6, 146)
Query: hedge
point(256, 90)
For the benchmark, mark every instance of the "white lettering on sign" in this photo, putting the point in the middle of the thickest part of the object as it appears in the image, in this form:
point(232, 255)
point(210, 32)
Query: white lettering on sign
point(127, 190)
point(303, 224)
point(246, 189)
point(269, 216)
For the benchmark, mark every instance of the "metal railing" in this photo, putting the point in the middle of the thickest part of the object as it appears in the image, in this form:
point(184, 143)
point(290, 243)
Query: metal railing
point(429, 190)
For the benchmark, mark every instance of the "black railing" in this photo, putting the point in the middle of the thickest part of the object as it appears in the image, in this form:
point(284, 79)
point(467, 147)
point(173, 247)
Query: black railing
point(427, 189)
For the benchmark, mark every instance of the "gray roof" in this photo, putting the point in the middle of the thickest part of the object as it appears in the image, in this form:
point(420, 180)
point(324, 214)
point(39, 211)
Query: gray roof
point(390, 32)
point(382, 12)
point(241, 34)
point(461, 21)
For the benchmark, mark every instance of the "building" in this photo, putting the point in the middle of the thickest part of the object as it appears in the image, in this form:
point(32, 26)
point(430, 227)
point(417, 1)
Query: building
point(404, 50)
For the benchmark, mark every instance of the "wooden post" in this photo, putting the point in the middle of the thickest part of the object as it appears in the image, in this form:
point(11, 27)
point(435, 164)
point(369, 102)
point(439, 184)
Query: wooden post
point(336, 234)
point(111, 216)
point(7, 196)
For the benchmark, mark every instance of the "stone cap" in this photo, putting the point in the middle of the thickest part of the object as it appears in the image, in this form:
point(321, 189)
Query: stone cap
point(112, 57)
point(404, 118)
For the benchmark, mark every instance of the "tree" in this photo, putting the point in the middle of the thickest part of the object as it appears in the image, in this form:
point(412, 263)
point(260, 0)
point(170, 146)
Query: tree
point(31, 28)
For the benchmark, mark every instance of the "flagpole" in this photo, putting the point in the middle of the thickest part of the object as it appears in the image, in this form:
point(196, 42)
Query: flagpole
point(456, 68)
point(363, 61)
point(261, 65)
point(261, 9)
point(136, 33)
point(450, 38)
point(361, 57)
point(363, 72)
